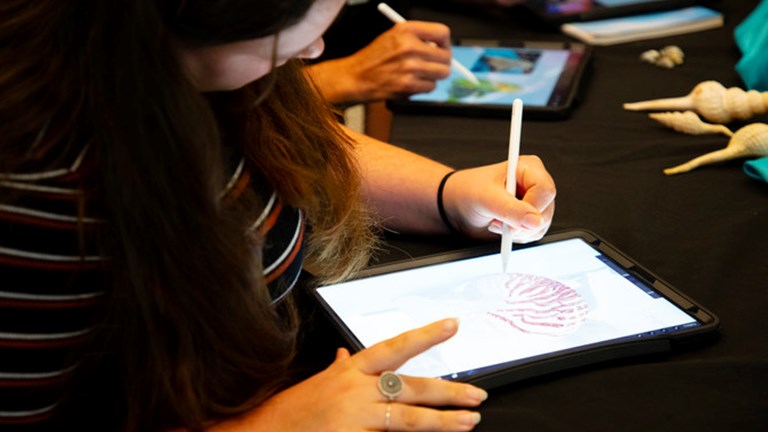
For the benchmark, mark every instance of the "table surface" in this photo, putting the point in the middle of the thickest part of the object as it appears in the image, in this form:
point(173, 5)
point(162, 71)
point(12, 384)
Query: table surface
point(704, 232)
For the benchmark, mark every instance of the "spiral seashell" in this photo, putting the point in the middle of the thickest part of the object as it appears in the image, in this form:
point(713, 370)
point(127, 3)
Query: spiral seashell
point(688, 122)
point(712, 101)
point(751, 140)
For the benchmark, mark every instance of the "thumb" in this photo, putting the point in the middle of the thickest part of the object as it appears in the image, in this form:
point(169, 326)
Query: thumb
point(341, 354)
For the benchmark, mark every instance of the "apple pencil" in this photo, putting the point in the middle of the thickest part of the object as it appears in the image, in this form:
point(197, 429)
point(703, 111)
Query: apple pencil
point(397, 18)
point(514, 153)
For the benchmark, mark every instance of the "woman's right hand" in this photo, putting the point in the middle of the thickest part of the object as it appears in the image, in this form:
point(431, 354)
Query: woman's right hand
point(345, 396)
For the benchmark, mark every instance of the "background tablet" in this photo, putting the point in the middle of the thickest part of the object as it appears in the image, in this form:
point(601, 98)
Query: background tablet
point(545, 75)
point(569, 300)
point(560, 11)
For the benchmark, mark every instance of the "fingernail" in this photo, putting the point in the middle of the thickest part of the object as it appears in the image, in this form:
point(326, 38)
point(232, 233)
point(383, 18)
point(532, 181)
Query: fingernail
point(451, 324)
point(470, 418)
point(477, 394)
point(531, 220)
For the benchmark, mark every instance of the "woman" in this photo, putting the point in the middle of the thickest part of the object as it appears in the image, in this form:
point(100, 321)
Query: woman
point(159, 164)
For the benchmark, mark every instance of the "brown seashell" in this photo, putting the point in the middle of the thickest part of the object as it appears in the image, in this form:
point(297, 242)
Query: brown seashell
point(712, 101)
point(751, 140)
point(688, 122)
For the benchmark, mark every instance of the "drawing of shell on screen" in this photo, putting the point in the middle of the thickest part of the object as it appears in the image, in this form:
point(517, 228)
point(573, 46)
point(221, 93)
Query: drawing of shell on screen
point(510, 316)
point(519, 304)
point(536, 305)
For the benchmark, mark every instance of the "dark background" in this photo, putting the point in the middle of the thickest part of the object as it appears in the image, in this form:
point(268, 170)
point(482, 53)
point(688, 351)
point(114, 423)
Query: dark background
point(704, 232)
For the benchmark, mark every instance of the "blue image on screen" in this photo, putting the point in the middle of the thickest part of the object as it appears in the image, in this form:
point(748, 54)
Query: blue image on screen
point(506, 61)
point(504, 74)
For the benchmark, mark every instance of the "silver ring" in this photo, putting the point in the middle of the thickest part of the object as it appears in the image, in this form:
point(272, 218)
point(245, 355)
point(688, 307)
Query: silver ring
point(387, 416)
point(390, 385)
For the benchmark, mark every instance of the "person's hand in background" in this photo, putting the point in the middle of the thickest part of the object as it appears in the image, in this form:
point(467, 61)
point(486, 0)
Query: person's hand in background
point(407, 59)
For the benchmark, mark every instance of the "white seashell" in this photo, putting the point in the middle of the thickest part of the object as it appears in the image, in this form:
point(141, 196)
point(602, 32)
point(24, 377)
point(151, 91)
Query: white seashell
point(688, 122)
point(674, 53)
point(712, 101)
point(665, 62)
point(650, 56)
point(751, 140)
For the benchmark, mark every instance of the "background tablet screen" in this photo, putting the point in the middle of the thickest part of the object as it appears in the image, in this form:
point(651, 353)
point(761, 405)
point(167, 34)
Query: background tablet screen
point(558, 296)
point(540, 77)
point(575, 6)
point(559, 11)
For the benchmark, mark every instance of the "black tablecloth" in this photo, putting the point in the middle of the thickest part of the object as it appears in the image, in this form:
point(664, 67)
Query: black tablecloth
point(705, 232)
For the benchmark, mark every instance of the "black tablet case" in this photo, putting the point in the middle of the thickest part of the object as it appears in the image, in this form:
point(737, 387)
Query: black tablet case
point(568, 96)
point(497, 375)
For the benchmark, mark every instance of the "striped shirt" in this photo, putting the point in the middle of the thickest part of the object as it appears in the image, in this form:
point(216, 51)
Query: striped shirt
point(51, 283)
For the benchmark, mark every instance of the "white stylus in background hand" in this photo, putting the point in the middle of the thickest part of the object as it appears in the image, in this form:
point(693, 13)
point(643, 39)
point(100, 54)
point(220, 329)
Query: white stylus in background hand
point(397, 18)
point(513, 155)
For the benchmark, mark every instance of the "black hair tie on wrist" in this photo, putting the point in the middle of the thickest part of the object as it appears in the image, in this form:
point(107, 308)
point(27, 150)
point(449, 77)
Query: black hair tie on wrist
point(440, 208)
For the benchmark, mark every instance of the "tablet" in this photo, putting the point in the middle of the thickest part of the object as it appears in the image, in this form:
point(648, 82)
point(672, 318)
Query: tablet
point(561, 11)
point(545, 75)
point(569, 300)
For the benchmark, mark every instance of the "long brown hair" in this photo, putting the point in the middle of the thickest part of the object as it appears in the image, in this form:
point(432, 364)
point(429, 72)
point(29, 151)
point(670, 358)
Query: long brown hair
point(189, 334)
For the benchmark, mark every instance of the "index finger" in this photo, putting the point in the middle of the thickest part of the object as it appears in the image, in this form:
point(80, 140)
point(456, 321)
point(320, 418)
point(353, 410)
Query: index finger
point(392, 353)
point(437, 33)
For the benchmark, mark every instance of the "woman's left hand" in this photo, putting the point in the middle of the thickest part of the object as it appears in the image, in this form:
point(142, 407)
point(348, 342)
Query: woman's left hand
point(477, 202)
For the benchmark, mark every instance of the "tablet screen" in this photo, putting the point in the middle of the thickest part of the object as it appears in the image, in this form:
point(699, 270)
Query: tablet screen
point(540, 77)
point(579, 10)
point(575, 6)
point(556, 297)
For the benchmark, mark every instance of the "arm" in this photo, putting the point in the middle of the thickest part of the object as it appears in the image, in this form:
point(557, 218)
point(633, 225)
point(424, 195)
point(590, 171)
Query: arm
point(404, 60)
point(402, 188)
point(405, 201)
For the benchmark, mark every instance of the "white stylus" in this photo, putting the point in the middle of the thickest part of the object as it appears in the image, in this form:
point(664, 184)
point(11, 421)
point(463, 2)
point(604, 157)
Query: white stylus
point(397, 18)
point(513, 155)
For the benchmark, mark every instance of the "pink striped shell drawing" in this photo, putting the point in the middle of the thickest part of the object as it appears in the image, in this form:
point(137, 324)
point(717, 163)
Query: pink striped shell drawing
point(539, 305)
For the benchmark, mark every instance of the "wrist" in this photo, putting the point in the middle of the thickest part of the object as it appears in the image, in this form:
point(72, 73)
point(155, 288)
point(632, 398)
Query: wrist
point(450, 226)
point(337, 81)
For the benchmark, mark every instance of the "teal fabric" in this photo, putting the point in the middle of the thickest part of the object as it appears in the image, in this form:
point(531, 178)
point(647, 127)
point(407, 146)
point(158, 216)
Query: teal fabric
point(752, 39)
point(757, 169)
